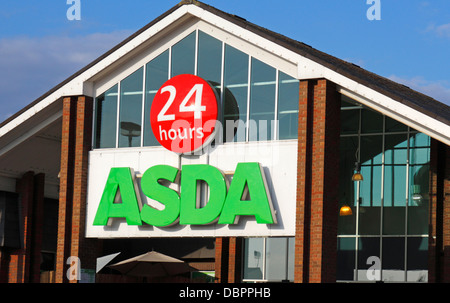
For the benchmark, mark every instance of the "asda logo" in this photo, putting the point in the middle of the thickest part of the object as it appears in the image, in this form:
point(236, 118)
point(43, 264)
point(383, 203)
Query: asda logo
point(246, 195)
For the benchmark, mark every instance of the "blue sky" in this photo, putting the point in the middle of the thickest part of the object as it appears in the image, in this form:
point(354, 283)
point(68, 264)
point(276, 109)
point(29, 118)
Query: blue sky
point(40, 47)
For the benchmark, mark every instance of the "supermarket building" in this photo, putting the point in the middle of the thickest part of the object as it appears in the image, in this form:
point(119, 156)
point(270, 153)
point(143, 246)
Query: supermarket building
point(270, 196)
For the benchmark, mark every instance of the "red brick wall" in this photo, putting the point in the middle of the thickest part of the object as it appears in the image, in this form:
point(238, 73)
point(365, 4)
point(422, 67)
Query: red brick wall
point(317, 182)
point(22, 265)
point(439, 232)
point(75, 145)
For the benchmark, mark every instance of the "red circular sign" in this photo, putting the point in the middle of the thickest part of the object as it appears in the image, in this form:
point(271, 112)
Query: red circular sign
point(184, 113)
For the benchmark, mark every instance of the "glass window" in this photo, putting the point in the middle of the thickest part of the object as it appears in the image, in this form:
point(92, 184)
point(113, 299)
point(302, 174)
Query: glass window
point(371, 122)
point(269, 259)
point(396, 147)
point(201, 54)
point(394, 199)
point(236, 92)
point(254, 258)
point(156, 73)
point(288, 99)
point(392, 125)
point(417, 259)
point(106, 119)
point(262, 101)
point(131, 110)
point(392, 216)
point(371, 150)
point(276, 259)
point(347, 192)
point(350, 121)
point(346, 258)
point(393, 264)
point(209, 58)
point(183, 56)
point(418, 184)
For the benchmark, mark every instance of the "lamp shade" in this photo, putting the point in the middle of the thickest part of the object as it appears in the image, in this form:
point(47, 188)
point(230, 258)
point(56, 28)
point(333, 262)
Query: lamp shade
point(357, 176)
point(345, 211)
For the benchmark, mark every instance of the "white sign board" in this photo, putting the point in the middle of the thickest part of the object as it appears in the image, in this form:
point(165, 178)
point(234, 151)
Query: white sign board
point(278, 160)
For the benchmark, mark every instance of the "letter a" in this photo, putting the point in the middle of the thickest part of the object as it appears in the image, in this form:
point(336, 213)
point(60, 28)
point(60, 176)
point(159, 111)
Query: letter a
point(120, 180)
point(74, 12)
point(259, 205)
point(374, 12)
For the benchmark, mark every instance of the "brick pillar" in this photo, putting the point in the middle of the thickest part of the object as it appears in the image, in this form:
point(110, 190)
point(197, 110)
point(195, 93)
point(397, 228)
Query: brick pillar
point(36, 230)
point(234, 260)
point(317, 182)
point(228, 262)
point(65, 188)
point(439, 230)
point(221, 260)
point(19, 262)
point(75, 146)
point(22, 265)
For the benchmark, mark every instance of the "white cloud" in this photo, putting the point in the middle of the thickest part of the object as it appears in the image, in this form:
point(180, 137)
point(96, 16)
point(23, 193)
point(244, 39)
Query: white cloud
point(443, 30)
point(29, 67)
point(439, 90)
point(440, 30)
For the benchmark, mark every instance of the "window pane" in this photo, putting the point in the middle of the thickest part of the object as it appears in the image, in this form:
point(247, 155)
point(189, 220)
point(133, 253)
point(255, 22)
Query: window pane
point(350, 121)
point(395, 185)
point(288, 99)
point(236, 91)
point(393, 259)
point(419, 149)
point(418, 200)
point(276, 259)
point(371, 150)
point(392, 125)
point(418, 184)
point(371, 121)
point(131, 110)
point(345, 259)
point(209, 58)
point(253, 258)
point(348, 102)
point(183, 56)
point(291, 258)
point(157, 72)
point(106, 119)
point(347, 187)
point(396, 147)
point(417, 259)
point(262, 101)
point(370, 205)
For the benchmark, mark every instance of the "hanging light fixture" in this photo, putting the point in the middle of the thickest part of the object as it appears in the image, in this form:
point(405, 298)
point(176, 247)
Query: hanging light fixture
point(357, 176)
point(345, 210)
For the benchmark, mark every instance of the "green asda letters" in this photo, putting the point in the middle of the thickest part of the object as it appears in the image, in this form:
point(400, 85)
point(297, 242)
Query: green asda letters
point(247, 196)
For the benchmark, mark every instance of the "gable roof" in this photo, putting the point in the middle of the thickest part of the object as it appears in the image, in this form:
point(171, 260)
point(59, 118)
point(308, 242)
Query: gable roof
point(393, 99)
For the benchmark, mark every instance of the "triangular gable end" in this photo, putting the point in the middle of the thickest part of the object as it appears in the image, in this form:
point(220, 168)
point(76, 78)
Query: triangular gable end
point(294, 58)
